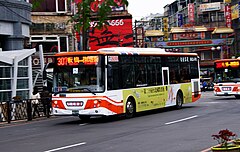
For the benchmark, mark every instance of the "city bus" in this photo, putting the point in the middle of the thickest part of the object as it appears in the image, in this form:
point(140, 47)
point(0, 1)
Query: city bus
point(123, 81)
point(227, 77)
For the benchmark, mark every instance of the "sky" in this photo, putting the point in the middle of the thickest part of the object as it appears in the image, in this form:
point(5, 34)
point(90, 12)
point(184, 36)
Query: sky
point(142, 8)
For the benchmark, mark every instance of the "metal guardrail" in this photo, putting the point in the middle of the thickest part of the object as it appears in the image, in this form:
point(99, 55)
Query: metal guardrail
point(24, 109)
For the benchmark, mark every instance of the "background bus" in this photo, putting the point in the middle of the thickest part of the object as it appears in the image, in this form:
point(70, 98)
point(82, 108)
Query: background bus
point(123, 80)
point(227, 77)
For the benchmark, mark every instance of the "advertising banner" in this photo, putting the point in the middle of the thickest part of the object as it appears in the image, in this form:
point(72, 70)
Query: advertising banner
point(180, 19)
point(228, 16)
point(227, 1)
point(118, 33)
point(235, 11)
point(210, 7)
point(191, 13)
point(165, 28)
point(239, 11)
point(140, 36)
point(189, 43)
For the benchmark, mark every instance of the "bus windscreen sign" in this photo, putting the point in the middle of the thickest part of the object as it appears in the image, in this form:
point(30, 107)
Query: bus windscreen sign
point(76, 60)
point(226, 64)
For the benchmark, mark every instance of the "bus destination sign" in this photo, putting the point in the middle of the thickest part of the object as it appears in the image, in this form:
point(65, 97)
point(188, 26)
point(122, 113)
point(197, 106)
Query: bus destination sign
point(76, 60)
point(226, 64)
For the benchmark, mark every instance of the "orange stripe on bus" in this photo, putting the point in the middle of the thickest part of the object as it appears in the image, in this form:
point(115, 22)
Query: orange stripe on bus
point(104, 103)
point(195, 98)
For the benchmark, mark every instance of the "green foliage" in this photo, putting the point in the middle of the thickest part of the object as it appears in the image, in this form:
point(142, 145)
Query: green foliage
point(36, 4)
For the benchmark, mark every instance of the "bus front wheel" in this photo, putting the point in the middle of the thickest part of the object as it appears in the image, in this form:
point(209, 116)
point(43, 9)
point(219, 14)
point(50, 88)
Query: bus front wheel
point(130, 108)
point(179, 100)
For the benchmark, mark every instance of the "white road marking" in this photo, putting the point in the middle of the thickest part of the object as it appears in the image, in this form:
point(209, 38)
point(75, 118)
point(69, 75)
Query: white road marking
point(65, 147)
point(184, 119)
point(83, 124)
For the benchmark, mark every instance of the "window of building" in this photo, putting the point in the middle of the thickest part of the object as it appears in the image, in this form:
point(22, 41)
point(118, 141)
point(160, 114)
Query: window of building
point(220, 16)
point(206, 55)
point(205, 18)
point(22, 84)
point(5, 72)
point(22, 71)
point(23, 62)
point(58, 6)
point(5, 84)
point(5, 95)
point(216, 54)
point(213, 17)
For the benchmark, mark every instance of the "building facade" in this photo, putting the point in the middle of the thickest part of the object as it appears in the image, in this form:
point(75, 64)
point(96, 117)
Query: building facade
point(15, 61)
point(15, 20)
point(205, 27)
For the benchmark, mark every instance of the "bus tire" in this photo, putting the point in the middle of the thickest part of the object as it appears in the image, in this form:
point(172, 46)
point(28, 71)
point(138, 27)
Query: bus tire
point(237, 96)
point(179, 100)
point(130, 108)
point(84, 117)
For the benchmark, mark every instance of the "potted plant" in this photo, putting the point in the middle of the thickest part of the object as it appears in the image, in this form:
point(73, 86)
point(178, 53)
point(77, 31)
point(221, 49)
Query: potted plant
point(225, 140)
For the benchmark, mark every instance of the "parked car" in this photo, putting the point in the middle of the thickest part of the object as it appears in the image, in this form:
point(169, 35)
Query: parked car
point(206, 84)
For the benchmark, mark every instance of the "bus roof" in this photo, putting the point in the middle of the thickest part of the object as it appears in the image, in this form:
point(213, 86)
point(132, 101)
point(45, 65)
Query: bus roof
point(126, 51)
point(225, 60)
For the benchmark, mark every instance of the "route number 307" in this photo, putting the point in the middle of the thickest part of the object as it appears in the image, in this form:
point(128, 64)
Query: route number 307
point(111, 23)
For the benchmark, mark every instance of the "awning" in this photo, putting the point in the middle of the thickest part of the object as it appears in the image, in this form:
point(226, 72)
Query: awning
point(188, 29)
point(8, 56)
point(177, 30)
point(199, 29)
point(222, 30)
point(154, 33)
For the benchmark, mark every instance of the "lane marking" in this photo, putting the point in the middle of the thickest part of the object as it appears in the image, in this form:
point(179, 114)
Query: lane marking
point(65, 147)
point(83, 124)
point(184, 119)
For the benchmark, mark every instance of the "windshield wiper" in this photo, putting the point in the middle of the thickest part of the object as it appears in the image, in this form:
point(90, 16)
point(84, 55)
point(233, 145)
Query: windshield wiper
point(55, 93)
point(89, 90)
point(83, 89)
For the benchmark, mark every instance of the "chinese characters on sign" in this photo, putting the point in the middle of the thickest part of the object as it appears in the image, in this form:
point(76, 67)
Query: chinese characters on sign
point(118, 33)
point(233, 64)
point(165, 28)
point(191, 12)
point(228, 16)
point(76, 60)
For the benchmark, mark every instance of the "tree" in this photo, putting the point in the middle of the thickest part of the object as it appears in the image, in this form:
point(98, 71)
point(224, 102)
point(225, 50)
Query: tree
point(100, 9)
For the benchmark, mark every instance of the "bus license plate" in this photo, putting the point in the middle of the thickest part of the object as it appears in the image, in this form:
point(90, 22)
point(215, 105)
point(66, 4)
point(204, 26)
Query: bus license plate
point(226, 88)
point(75, 112)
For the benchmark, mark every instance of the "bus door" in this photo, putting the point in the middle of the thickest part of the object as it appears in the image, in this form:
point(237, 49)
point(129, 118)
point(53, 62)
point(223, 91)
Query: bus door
point(165, 75)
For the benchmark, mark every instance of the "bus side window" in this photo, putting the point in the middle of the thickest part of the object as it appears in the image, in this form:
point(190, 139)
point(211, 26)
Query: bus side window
point(140, 74)
point(127, 75)
point(113, 79)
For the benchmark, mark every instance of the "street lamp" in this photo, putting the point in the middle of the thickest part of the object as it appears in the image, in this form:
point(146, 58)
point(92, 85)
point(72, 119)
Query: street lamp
point(218, 48)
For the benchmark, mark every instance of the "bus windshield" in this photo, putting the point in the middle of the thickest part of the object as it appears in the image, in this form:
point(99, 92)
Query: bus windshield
point(79, 77)
point(227, 75)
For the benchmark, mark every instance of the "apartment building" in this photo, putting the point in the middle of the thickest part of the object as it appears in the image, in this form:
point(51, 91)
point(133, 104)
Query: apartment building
point(50, 27)
point(201, 26)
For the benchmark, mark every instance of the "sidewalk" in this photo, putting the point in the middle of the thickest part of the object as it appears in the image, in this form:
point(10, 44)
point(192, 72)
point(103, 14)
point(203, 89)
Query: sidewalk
point(22, 122)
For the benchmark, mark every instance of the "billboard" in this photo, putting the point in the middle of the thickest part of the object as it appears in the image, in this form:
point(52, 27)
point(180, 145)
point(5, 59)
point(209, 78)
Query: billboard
point(118, 33)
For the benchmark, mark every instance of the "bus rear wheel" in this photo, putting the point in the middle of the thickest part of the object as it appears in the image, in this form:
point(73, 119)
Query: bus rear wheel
point(130, 108)
point(179, 100)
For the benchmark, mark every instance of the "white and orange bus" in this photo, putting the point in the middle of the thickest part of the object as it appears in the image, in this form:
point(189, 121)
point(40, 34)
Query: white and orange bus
point(123, 80)
point(227, 77)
